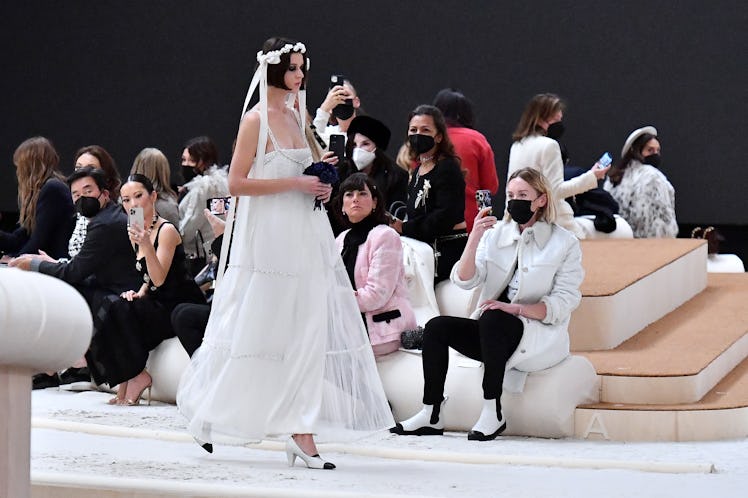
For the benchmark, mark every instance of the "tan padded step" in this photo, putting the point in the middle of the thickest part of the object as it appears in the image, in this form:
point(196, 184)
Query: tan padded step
point(631, 283)
point(611, 265)
point(721, 414)
point(680, 357)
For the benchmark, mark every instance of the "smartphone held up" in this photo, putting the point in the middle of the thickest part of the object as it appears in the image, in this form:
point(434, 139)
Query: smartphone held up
point(604, 161)
point(135, 217)
point(483, 200)
point(218, 205)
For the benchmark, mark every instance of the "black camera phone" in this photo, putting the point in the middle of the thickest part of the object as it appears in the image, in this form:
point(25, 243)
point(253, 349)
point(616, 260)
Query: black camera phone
point(337, 145)
point(344, 110)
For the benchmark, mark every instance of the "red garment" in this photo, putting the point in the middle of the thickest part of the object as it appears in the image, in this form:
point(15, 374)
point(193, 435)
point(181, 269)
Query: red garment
point(477, 160)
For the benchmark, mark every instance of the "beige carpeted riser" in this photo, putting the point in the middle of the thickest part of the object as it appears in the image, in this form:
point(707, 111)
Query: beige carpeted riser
point(687, 340)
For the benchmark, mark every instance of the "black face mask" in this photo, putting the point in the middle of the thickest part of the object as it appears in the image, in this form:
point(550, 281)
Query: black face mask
point(653, 160)
point(88, 207)
point(188, 172)
point(519, 210)
point(421, 143)
point(555, 130)
point(343, 111)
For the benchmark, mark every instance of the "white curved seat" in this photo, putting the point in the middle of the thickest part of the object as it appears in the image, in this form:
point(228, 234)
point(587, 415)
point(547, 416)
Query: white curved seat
point(166, 364)
point(724, 263)
point(45, 324)
point(622, 231)
point(545, 408)
point(418, 259)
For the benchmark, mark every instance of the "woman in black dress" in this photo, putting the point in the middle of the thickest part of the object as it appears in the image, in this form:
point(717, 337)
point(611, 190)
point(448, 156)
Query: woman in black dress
point(139, 320)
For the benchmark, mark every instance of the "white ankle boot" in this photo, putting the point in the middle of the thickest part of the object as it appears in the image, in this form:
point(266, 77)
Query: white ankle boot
point(424, 423)
point(488, 425)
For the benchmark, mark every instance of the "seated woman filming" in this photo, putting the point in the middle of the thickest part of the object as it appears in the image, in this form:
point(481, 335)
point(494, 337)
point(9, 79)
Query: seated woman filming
point(373, 256)
point(139, 320)
point(531, 270)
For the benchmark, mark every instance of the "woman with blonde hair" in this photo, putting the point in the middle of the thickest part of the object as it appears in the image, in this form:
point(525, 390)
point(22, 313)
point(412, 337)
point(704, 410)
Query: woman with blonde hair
point(153, 164)
point(530, 271)
point(46, 207)
point(535, 146)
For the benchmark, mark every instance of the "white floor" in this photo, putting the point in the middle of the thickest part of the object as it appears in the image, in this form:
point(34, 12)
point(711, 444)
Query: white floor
point(154, 447)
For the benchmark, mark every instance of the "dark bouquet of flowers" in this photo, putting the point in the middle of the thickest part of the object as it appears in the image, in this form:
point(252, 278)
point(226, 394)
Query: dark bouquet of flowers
point(326, 172)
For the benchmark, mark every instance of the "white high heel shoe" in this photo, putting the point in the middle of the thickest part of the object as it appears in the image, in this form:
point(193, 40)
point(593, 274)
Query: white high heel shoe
point(427, 422)
point(312, 462)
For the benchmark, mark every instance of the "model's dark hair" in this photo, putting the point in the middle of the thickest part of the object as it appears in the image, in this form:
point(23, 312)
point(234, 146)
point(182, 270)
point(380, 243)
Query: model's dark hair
point(456, 108)
point(99, 176)
point(202, 149)
point(114, 181)
point(615, 174)
point(358, 181)
point(277, 72)
point(143, 180)
point(540, 108)
point(444, 148)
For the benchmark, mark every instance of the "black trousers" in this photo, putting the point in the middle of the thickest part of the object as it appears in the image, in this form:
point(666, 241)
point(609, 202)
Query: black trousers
point(492, 339)
point(189, 322)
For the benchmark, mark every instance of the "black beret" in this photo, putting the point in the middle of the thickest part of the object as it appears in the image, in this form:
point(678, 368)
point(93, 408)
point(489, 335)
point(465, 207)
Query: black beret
point(371, 128)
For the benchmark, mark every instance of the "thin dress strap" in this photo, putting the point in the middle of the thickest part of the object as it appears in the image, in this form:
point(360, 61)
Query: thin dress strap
point(274, 141)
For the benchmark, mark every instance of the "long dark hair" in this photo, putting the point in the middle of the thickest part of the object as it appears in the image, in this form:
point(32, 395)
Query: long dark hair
point(635, 152)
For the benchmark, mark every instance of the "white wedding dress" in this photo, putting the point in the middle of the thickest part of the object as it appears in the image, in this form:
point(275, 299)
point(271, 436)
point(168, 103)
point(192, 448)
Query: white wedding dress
point(285, 350)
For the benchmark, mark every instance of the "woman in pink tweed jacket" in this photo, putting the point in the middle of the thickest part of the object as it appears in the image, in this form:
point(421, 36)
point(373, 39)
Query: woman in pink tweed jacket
point(373, 256)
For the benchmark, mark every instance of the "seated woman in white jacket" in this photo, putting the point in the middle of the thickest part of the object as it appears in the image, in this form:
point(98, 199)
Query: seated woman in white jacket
point(531, 270)
point(373, 256)
point(535, 146)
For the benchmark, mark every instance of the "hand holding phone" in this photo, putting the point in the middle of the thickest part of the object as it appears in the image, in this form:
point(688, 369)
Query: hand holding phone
point(604, 161)
point(219, 205)
point(483, 200)
point(337, 146)
point(135, 217)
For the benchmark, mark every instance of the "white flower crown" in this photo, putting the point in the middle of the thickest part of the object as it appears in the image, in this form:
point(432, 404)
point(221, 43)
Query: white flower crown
point(274, 56)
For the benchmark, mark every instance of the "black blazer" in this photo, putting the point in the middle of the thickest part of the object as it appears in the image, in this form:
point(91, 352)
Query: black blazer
point(107, 259)
point(443, 206)
point(55, 220)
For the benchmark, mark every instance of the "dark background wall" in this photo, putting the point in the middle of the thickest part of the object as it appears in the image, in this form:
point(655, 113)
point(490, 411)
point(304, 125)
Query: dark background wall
point(128, 75)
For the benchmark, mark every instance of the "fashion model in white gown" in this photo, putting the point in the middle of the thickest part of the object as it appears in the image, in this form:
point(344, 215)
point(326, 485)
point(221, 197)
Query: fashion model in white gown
point(285, 350)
